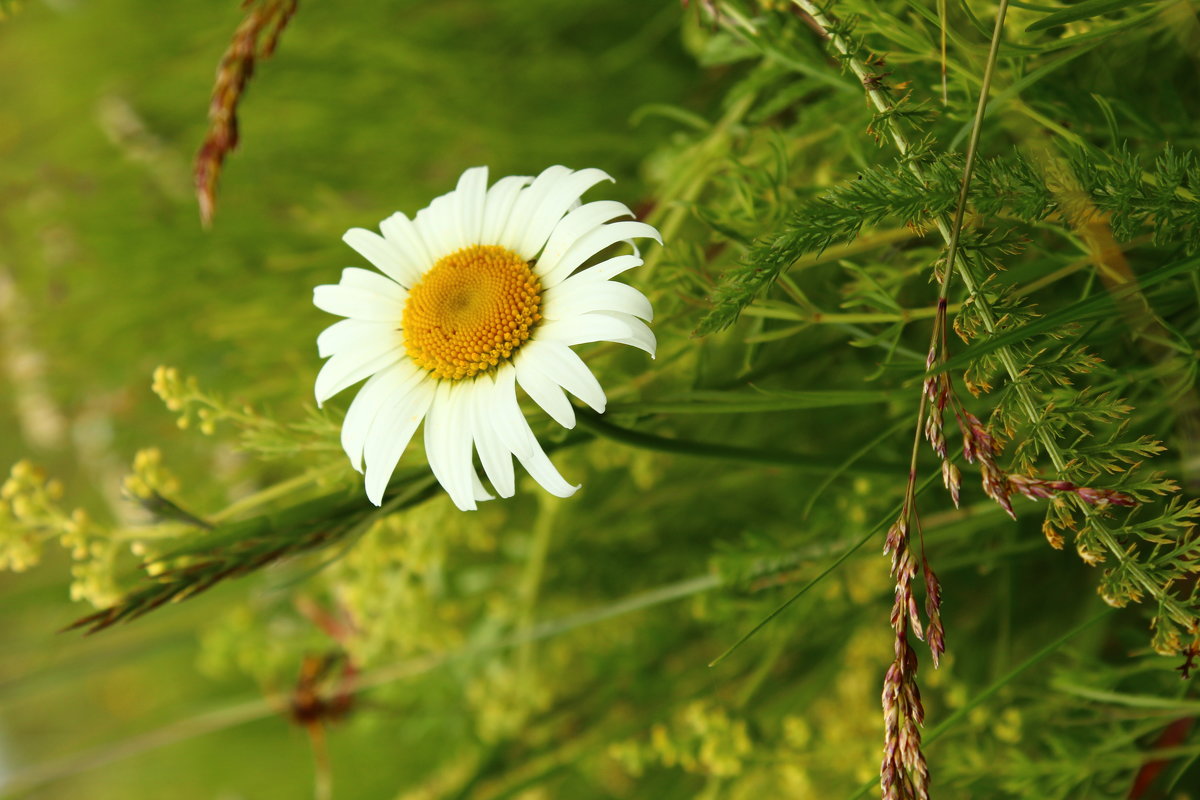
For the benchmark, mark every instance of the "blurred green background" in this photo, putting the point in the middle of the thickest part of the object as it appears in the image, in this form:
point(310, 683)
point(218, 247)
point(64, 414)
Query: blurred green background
point(106, 273)
point(539, 649)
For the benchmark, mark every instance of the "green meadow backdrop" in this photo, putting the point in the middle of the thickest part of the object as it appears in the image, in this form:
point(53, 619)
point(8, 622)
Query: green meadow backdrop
point(804, 165)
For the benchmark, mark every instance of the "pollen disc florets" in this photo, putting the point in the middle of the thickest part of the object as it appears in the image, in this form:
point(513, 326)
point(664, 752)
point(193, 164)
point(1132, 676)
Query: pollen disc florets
point(471, 311)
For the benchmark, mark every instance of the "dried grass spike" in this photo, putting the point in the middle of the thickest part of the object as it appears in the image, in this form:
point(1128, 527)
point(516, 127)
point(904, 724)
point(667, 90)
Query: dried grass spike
point(265, 20)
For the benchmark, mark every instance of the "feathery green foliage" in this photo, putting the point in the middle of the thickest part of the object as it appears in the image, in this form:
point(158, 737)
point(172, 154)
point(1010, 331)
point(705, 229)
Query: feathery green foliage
point(1115, 189)
point(804, 167)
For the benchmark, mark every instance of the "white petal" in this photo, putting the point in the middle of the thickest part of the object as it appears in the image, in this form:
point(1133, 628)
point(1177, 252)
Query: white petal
point(556, 202)
point(439, 226)
point(348, 301)
point(542, 390)
point(470, 193)
point(498, 206)
point(379, 251)
point(359, 345)
point(560, 364)
point(578, 222)
point(641, 337)
point(528, 201)
point(589, 245)
point(348, 368)
point(412, 252)
point(478, 490)
point(605, 270)
point(495, 457)
point(448, 441)
point(506, 388)
point(585, 329)
point(596, 296)
point(355, 334)
point(514, 431)
point(385, 390)
point(357, 278)
point(389, 435)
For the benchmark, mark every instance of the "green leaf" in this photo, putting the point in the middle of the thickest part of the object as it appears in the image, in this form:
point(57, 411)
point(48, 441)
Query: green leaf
point(752, 403)
point(1084, 10)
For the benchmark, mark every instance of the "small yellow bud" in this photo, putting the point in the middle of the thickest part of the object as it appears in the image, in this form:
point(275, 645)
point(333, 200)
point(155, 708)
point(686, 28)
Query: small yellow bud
point(22, 507)
point(135, 486)
point(147, 458)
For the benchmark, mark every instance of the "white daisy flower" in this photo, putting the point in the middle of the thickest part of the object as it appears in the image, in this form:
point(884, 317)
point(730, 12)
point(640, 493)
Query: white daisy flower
point(479, 293)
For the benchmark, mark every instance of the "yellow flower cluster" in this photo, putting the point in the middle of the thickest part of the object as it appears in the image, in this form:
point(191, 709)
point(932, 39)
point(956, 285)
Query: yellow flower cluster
point(504, 696)
point(27, 515)
point(149, 477)
point(31, 514)
point(702, 739)
point(183, 395)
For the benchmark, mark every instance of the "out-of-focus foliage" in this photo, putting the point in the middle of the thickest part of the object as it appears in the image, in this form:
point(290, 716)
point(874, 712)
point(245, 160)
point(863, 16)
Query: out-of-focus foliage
point(542, 648)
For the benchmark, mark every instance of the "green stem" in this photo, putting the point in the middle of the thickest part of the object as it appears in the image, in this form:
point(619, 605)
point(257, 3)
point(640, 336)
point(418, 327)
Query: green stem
point(531, 581)
point(814, 465)
point(837, 562)
point(849, 318)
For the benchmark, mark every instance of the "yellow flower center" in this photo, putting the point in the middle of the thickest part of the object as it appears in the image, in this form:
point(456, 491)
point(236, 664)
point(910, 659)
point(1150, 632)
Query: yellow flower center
point(471, 311)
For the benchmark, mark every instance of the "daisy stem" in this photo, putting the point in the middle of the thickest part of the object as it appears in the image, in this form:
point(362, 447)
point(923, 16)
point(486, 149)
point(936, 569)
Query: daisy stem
point(815, 465)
